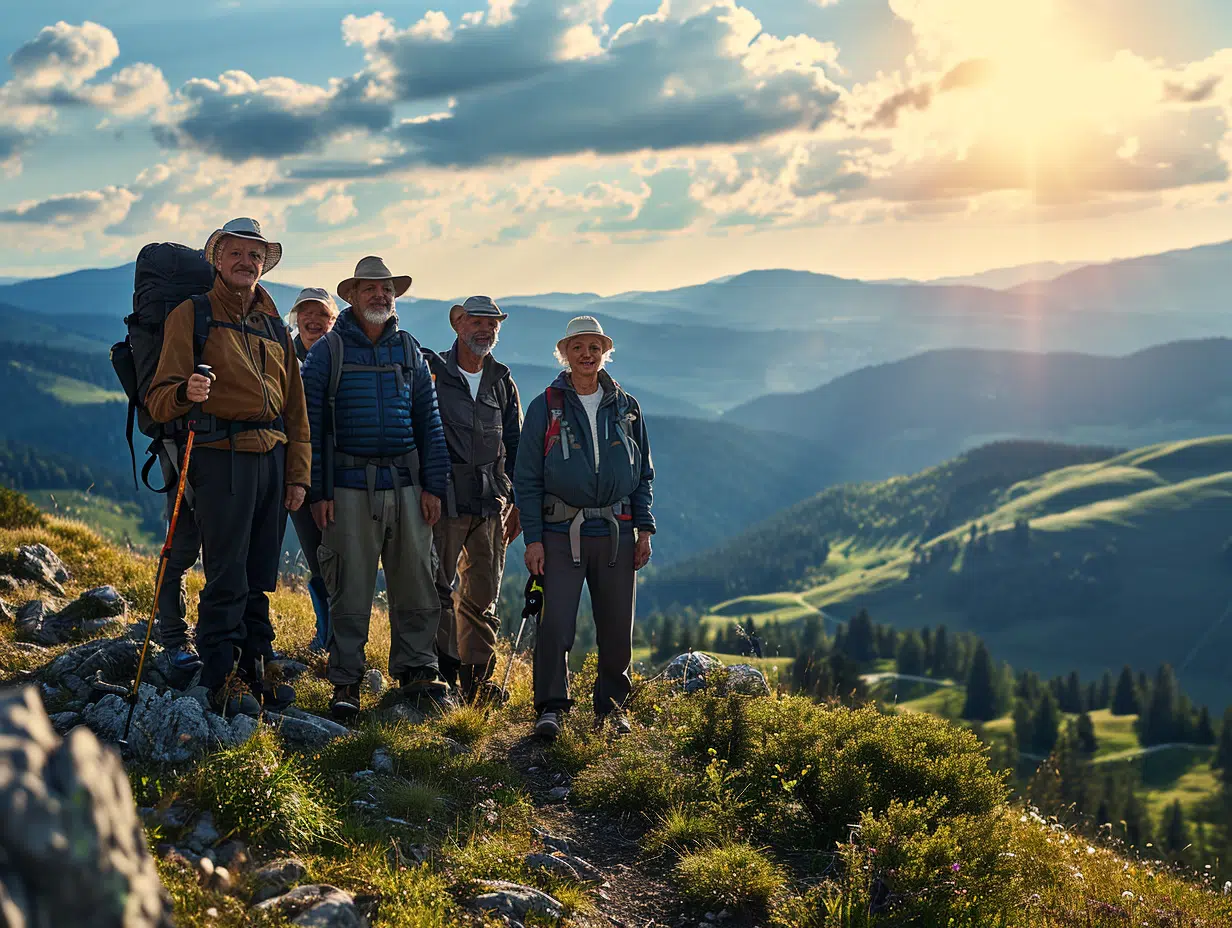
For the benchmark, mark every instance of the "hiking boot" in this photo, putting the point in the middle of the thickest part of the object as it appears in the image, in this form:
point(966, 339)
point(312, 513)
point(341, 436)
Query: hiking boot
point(548, 725)
point(232, 699)
point(345, 701)
point(184, 659)
point(618, 720)
point(267, 686)
point(424, 682)
point(477, 688)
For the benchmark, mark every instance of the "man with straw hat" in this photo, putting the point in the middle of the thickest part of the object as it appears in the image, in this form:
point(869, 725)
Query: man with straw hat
point(251, 458)
point(482, 416)
point(380, 471)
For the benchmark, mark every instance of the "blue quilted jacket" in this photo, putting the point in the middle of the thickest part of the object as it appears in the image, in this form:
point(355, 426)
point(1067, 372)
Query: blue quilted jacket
point(374, 418)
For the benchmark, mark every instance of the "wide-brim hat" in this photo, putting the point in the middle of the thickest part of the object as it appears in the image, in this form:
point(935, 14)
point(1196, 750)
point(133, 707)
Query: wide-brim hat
point(314, 295)
point(477, 306)
point(251, 230)
point(372, 268)
point(584, 325)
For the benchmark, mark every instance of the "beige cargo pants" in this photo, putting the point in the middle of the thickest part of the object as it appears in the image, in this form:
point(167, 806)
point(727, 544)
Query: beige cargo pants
point(351, 549)
point(472, 551)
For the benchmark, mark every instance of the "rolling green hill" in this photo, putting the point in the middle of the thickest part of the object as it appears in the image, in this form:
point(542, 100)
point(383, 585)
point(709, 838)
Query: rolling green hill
point(1090, 565)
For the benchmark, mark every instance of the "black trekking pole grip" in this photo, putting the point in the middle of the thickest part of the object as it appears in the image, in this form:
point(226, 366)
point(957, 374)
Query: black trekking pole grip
point(195, 413)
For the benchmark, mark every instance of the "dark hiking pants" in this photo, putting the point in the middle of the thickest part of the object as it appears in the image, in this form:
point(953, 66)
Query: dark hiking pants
point(238, 504)
point(173, 595)
point(471, 552)
point(613, 597)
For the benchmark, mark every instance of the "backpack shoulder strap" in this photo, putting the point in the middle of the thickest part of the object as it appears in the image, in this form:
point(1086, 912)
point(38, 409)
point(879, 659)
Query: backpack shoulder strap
point(555, 399)
point(336, 348)
point(282, 335)
point(203, 318)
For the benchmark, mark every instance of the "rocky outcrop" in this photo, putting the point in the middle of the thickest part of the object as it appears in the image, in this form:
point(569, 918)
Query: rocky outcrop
point(72, 851)
point(516, 901)
point(167, 727)
point(747, 679)
point(88, 614)
point(694, 670)
point(37, 564)
point(316, 906)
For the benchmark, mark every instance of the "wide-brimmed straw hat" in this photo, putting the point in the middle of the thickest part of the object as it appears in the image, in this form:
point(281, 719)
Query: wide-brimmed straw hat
point(251, 230)
point(372, 268)
point(584, 325)
point(476, 306)
point(314, 295)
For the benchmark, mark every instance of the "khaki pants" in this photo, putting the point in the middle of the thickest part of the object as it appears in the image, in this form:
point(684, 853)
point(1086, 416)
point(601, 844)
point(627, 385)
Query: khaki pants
point(350, 550)
point(472, 551)
point(613, 595)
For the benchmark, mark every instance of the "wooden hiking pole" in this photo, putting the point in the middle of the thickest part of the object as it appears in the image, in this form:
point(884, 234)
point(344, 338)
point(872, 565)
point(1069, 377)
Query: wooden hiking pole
point(205, 371)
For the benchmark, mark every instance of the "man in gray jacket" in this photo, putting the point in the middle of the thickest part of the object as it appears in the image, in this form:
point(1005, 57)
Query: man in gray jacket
point(482, 418)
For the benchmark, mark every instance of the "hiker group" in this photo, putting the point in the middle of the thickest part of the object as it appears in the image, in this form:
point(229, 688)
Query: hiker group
point(384, 455)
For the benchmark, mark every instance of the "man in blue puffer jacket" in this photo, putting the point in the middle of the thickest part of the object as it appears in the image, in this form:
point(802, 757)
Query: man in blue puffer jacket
point(380, 468)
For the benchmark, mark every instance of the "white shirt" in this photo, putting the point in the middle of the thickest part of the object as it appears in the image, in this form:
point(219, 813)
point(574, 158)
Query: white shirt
point(473, 381)
point(590, 402)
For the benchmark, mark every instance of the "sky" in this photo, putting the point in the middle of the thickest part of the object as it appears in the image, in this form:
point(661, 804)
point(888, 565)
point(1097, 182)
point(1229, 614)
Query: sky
point(527, 146)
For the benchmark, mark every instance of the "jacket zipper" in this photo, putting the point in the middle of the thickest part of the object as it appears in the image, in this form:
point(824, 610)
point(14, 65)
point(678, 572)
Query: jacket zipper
point(265, 397)
point(380, 400)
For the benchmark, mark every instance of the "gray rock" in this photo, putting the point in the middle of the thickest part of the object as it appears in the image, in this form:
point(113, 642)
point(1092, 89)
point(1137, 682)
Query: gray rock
point(41, 565)
point(381, 761)
point(30, 620)
point(89, 613)
point(6, 612)
point(516, 901)
point(374, 682)
point(64, 721)
point(559, 793)
point(113, 661)
point(278, 876)
point(580, 869)
point(403, 712)
point(305, 729)
point(204, 834)
point(232, 855)
point(747, 679)
point(167, 728)
point(8, 586)
point(73, 847)
point(551, 841)
point(557, 866)
point(691, 669)
point(316, 906)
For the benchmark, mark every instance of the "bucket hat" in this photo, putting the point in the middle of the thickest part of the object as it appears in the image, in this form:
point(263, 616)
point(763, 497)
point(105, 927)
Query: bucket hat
point(251, 230)
point(476, 306)
point(584, 325)
point(372, 268)
point(314, 294)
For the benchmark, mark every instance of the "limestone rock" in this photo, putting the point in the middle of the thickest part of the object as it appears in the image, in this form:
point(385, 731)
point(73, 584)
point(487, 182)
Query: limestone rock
point(65, 721)
point(278, 876)
point(516, 901)
point(41, 565)
point(88, 614)
point(204, 835)
point(73, 849)
point(382, 762)
point(167, 727)
point(691, 669)
point(30, 619)
point(747, 679)
point(316, 906)
point(305, 729)
point(562, 863)
point(374, 682)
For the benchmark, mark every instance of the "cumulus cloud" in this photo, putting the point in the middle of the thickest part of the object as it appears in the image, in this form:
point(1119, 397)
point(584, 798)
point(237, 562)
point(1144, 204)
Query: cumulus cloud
point(92, 207)
point(64, 55)
point(239, 117)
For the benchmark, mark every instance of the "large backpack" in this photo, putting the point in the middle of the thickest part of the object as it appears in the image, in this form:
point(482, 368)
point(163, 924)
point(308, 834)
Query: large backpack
point(166, 275)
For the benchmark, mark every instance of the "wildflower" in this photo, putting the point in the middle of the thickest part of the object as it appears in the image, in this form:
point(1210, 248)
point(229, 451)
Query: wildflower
point(1090, 850)
point(1035, 899)
point(1128, 894)
point(1227, 888)
point(955, 867)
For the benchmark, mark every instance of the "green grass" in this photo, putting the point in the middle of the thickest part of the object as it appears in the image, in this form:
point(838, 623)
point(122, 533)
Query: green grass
point(69, 390)
point(115, 521)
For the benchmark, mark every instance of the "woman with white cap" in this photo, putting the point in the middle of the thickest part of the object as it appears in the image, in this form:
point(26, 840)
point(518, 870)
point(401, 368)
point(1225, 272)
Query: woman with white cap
point(313, 315)
point(585, 504)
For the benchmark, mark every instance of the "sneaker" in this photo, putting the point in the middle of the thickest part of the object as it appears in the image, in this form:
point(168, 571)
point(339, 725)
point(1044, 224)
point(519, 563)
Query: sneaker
point(548, 725)
point(232, 699)
point(345, 701)
point(185, 658)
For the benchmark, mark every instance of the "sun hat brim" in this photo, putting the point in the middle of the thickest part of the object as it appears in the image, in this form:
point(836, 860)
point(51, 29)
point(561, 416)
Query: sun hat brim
point(560, 345)
point(458, 309)
point(273, 250)
point(346, 289)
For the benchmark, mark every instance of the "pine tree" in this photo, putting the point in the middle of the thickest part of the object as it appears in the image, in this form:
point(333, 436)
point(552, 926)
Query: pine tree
point(911, 654)
point(1223, 754)
point(1104, 700)
point(1125, 700)
point(1137, 821)
point(861, 639)
point(1159, 723)
point(981, 688)
point(943, 653)
point(1086, 734)
point(666, 646)
point(1092, 697)
point(1176, 832)
point(1045, 724)
point(1073, 701)
point(1024, 730)
point(1204, 731)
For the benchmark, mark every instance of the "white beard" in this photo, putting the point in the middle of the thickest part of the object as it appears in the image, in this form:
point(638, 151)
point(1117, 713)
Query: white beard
point(482, 350)
point(376, 316)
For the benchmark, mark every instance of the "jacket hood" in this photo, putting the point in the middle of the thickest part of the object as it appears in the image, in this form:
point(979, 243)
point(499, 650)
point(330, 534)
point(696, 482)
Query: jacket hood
point(230, 301)
point(606, 382)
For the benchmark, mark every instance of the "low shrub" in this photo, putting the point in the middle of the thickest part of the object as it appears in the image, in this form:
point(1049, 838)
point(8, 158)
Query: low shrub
point(683, 829)
point(16, 510)
point(735, 876)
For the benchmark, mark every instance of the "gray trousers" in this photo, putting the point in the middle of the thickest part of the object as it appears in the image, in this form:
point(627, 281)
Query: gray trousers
point(351, 549)
point(613, 595)
point(471, 551)
point(173, 594)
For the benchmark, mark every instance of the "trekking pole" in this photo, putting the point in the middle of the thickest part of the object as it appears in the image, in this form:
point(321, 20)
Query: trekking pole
point(534, 606)
point(205, 371)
